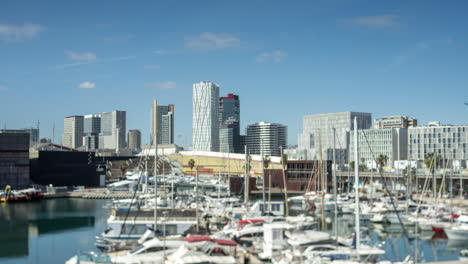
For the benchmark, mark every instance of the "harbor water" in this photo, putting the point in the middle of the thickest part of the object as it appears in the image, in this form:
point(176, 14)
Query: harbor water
point(52, 231)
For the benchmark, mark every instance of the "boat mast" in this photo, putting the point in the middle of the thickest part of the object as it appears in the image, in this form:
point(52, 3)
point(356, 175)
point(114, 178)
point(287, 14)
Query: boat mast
point(322, 181)
point(263, 175)
point(155, 187)
point(335, 224)
point(284, 182)
point(196, 198)
point(246, 177)
point(356, 184)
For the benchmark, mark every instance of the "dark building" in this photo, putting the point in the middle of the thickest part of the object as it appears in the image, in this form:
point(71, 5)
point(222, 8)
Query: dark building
point(67, 168)
point(298, 175)
point(14, 159)
point(229, 125)
point(229, 106)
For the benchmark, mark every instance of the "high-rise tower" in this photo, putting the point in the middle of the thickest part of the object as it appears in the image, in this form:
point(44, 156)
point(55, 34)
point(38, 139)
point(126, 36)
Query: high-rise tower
point(205, 129)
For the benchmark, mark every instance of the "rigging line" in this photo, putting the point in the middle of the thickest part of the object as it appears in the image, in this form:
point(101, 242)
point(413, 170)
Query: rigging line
point(386, 188)
point(131, 201)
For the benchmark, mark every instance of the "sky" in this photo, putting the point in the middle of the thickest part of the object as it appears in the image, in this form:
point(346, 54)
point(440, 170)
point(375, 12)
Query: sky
point(285, 59)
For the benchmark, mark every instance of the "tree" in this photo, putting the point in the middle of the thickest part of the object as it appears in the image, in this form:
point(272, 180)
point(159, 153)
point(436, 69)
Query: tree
point(123, 168)
point(284, 160)
point(266, 162)
point(352, 164)
point(429, 162)
point(382, 161)
point(191, 164)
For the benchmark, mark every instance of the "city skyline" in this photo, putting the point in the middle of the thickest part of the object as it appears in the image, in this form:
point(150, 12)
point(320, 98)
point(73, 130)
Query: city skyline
point(386, 58)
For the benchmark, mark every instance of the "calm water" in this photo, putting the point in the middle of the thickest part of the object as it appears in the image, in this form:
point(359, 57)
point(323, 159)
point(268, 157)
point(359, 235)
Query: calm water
point(52, 231)
point(49, 231)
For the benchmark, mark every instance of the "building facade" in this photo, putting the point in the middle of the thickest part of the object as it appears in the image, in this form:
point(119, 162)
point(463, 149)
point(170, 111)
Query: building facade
point(318, 134)
point(33, 135)
point(73, 131)
point(451, 142)
point(266, 138)
point(113, 130)
point(162, 118)
point(91, 129)
point(205, 120)
point(14, 159)
point(229, 138)
point(229, 120)
point(134, 139)
point(391, 142)
point(395, 122)
point(229, 107)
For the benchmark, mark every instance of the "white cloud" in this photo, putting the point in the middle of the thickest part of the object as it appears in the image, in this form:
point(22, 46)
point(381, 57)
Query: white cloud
point(212, 41)
point(152, 67)
point(377, 21)
point(9, 32)
point(167, 85)
point(85, 56)
point(87, 85)
point(276, 56)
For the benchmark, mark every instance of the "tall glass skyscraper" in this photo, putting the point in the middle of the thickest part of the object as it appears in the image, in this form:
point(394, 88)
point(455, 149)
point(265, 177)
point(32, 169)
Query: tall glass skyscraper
point(229, 121)
point(92, 128)
point(205, 119)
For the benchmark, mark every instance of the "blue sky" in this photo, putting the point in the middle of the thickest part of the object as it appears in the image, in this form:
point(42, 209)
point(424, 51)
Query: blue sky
point(285, 59)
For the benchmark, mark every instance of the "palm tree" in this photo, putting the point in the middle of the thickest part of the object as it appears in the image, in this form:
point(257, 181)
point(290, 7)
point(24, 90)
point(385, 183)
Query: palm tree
point(284, 160)
point(191, 164)
point(382, 161)
point(266, 162)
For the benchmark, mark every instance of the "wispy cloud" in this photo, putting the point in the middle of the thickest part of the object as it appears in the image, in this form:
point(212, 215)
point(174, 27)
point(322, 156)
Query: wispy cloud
point(9, 32)
point(166, 85)
point(276, 56)
point(152, 67)
point(377, 21)
point(83, 61)
point(416, 50)
point(85, 56)
point(87, 85)
point(212, 41)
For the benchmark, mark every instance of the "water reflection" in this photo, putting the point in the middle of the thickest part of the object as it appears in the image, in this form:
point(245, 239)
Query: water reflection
point(32, 232)
point(426, 246)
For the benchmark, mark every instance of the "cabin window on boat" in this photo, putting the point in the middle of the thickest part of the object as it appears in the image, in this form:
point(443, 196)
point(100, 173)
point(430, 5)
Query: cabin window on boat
point(275, 207)
point(133, 229)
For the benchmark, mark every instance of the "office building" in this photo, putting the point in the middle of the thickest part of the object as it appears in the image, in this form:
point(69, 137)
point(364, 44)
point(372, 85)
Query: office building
point(205, 120)
point(229, 138)
point(134, 139)
point(318, 134)
point(14, 159)
point(229, 107)
point(229, 120)
point(162, 118)
point(73, 132)
point(395, 122)
point(266, 138)
point(91, 128)
point(451, 142)
point(391, 142)
point(113, 130)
